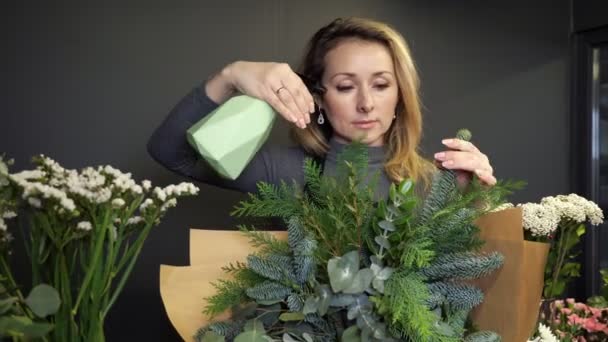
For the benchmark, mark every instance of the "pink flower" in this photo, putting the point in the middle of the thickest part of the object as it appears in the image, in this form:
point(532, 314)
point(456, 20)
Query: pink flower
point(570, 300)
point(559, 303)
point(597, 313)
point(557, 321)
point(581, 339)
point(566, 311)
point(580, 306)
point(574, 319)
point(592, 325)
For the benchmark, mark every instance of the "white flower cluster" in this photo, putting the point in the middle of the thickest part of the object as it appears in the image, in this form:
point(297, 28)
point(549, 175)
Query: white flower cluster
point(545, 334)
point(575, 208)
point(3, 226)
point(33, 191)
point(540, 220)
point(84, 225)
point(543, 219)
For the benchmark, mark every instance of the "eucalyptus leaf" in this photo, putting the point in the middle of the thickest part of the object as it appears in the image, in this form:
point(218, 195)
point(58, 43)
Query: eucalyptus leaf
point(324, 295)
point(387, 225)
point(382, 241)
point(288, 338)
point(378, 285)
point(342, 270)
point(392, 210)
point(385, 273)
point(351, 334)
point(307, 337)
point(342, 300)
point(43, 300)
point(362, 280)
point(254, 325)
point(291, 316)
point(212, 336)
point(406, 186)
point(251, 336)
point(311, 305)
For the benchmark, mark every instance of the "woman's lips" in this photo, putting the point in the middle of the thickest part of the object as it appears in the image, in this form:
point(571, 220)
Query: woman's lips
point(365, 124)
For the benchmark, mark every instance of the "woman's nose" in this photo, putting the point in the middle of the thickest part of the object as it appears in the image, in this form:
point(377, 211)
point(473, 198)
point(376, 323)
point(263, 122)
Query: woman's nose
point(366, 102)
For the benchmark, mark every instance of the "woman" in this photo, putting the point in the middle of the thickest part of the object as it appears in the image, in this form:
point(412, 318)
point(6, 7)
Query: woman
point(370, 92)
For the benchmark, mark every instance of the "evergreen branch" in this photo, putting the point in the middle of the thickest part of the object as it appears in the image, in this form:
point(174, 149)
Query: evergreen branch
point(268, 290)
point(271, 201)
point(407, 296)
point(458, 296)
point(265, 241)
point(417, 252)
point(463, 266)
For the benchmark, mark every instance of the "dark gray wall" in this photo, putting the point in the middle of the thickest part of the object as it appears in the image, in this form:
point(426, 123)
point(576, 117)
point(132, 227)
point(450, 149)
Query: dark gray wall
point(87, 84)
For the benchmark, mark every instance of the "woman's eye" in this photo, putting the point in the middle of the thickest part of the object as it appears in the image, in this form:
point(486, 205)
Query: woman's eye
point(344, 88)
point(381, 86)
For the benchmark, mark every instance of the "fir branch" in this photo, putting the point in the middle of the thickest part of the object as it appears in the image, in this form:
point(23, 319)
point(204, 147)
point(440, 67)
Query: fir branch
point(458, 296)
point(268, 290)
point(463, 266)
point(265, 241)
point(407, 296)
point(272, 267)
point(229, 293)
point(417, 252)
point(271, 201)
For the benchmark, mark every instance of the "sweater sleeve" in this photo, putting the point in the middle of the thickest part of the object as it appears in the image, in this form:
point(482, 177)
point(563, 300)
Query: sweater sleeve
point(169, 146)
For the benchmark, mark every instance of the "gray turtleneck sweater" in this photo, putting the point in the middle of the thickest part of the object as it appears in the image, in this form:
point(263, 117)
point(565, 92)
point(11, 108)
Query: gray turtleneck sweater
point(168, 146)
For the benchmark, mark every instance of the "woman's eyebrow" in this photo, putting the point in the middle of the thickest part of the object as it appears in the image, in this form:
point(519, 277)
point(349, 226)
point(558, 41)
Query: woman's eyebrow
point(350, 74)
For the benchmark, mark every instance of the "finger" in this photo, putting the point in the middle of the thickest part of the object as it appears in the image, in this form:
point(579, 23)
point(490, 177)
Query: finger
point(303, 97)
point(285, 95)
point(278, 105)
point(461, 145)
point(459, 160)
point(485, 177)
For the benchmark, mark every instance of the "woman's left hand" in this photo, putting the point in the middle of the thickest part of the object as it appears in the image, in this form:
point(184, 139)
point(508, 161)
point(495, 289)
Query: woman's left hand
point(465, 159)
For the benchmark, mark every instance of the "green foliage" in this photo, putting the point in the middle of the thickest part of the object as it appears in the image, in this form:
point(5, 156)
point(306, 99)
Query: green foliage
point(463, 266)
point(561, 267)
point(404, 303)
point(22, 318)
point(265, 241)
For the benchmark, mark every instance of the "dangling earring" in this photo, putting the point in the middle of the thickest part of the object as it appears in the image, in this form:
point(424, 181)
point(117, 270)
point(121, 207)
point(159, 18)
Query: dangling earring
point(394, 116)
point(320, 119)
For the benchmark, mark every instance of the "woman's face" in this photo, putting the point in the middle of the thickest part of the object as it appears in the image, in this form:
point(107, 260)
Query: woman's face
point(362, 91)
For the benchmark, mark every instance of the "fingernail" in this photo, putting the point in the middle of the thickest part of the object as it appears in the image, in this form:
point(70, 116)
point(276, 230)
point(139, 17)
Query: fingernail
point(311, 107)
point(439, 155)
point(447, 163)
point(479, 172)
point(446, 141)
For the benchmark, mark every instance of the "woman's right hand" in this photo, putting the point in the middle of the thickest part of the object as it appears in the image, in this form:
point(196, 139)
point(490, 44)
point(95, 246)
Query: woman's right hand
point(274, 83)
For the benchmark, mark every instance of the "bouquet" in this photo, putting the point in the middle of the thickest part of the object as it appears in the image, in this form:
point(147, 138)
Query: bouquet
point(82, 231)
point(559, 220)
point(354, 270)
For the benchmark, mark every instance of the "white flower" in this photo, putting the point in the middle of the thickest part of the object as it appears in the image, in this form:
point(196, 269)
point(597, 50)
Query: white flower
point(134, 220)
point(576, 208)
point(545, 334)
point(3, 226)
point(148, 202)
point(34, 202)
point(169, 204)
point(26, 175)
point(118, 203)
point(160, 194)
point(9, 215)
point(146, 184)
point(540, 220)
point(84, 225)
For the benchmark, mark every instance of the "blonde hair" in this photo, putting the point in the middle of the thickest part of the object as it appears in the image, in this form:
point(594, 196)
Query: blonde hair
point(404, 135)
